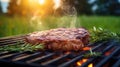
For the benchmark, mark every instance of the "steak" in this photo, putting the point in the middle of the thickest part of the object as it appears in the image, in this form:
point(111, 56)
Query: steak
point(63, 39)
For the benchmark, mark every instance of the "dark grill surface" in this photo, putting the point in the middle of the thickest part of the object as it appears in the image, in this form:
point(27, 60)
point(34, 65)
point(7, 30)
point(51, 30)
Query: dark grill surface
point(110, 56)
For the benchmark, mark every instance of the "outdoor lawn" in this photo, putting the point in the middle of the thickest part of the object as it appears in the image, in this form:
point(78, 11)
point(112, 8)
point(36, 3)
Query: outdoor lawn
point(10, 26)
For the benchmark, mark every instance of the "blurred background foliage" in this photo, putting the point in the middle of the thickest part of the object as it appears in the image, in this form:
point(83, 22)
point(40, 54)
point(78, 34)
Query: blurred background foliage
point(87, 7)
point(17, 19)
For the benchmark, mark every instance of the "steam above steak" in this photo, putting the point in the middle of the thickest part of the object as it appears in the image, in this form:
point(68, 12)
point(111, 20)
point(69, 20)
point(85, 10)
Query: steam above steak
point(65, 39)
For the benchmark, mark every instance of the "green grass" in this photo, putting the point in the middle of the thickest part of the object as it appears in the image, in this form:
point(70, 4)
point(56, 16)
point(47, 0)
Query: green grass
point(13, 26)
point(19, 25)
point(111, 23)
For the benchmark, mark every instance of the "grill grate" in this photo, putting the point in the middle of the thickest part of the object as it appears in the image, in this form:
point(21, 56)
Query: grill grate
point(110, 56)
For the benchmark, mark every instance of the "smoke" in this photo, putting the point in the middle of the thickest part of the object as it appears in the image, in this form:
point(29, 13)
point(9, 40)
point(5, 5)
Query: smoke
point(69, 16)
point(36, 22)
point(64, 15)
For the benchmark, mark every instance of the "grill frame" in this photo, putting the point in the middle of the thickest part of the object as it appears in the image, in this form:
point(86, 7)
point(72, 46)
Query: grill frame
point(6, 61)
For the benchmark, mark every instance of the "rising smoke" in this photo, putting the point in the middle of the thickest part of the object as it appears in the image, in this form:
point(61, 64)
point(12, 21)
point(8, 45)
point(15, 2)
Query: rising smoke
point(64, 15)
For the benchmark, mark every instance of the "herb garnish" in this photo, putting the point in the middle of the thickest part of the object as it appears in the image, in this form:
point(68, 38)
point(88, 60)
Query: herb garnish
point(98, 34)
point(92, 54)
point(22, 47)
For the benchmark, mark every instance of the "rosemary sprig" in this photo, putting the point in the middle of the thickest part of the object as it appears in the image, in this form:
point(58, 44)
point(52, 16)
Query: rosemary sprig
point(92, 54)
point(98, 34)
point(22, 47)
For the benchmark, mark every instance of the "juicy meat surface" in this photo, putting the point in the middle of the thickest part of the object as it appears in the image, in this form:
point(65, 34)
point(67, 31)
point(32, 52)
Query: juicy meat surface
point(64, 39)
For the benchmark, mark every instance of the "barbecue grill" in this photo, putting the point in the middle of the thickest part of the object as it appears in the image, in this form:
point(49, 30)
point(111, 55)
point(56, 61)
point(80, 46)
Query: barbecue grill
point(110, 56)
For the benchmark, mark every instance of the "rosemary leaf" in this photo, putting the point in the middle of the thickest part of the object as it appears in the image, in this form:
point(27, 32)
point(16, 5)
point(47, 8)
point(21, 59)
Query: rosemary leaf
point(98, 34)
point(92, 54)
point(22, 47)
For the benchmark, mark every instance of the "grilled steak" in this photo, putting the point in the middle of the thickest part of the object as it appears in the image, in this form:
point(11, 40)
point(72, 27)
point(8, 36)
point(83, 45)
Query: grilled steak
point(65, 39)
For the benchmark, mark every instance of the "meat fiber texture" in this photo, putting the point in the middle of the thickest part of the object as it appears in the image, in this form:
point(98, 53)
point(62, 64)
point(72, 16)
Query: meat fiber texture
point(63, 39)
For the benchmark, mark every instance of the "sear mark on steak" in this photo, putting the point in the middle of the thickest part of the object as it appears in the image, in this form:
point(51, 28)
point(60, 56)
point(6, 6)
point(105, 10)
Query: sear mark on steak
point(63, 39)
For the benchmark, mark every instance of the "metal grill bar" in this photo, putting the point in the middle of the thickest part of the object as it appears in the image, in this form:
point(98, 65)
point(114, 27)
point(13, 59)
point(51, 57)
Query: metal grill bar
point(30, 57)
point(79, 57)
point(3, 53)
point(55, 60)
point(102, 62)
point(46, 58)
point(6, 53)
point(92, 59)
point(9, 63)
point(14, 55)
point(41, 59)
point(12, 40)
point(117, 64)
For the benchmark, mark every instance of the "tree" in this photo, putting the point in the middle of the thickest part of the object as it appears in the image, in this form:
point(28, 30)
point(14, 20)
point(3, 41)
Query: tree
point(23, 6)
point(114, 7)
point(13, 7)
point(27, 7)
point(83, 7)
point(108, 7)
point(0, 8)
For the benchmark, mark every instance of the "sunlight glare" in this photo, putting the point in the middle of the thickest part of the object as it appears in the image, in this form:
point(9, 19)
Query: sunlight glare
point(57, 3)
point(4, 0)
point(41, 2)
